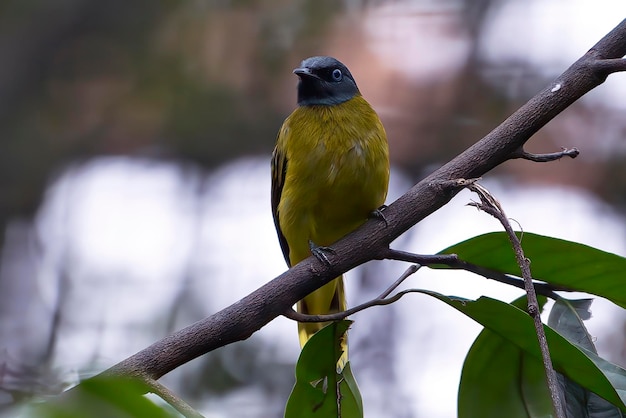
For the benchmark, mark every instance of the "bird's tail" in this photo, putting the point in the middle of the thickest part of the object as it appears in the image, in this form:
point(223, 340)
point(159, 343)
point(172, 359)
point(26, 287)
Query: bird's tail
point(328, 299)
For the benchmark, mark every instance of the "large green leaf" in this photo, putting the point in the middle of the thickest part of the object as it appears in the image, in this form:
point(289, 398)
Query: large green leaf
point(564, 263)
point(320, 391)
point(500, 379)
point(514, 325)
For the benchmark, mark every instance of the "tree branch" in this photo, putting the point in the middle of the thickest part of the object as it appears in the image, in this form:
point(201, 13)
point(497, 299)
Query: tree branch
point(542, 158)
point(241, 319)
point(610, 66)
point(453, 262)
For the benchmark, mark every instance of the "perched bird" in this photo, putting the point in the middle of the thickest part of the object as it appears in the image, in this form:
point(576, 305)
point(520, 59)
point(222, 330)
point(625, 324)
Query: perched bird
point(330, 171)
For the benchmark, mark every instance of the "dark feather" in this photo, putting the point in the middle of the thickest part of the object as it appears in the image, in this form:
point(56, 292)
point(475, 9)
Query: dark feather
point(279, 170)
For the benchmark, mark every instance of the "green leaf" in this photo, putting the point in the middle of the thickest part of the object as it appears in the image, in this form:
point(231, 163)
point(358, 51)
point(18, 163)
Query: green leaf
point(500, 379)
point(320, 391)
point(565, 317)
point(615, 374)
point(101, 398)
point(516, 326)
point(559, 262)
point(490, 380)
point(350, 387)
point(534, 387)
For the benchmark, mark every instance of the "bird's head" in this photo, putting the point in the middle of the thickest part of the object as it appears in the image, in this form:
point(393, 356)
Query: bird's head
point(324, 81)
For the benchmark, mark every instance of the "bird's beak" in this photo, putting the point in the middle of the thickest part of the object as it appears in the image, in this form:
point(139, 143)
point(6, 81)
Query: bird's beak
point(304, 71)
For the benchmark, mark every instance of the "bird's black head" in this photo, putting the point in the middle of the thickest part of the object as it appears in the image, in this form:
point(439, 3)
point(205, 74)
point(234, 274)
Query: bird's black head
point(324, 81)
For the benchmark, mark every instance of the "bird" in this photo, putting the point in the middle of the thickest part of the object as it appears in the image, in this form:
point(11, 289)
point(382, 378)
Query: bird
point(330, 173)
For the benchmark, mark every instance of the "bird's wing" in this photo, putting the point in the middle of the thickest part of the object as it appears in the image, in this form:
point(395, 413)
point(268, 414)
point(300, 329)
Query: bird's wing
point(279, 170)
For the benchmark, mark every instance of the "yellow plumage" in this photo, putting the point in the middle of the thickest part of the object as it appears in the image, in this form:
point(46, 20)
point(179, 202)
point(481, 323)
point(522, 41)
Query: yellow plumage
point(330, 171)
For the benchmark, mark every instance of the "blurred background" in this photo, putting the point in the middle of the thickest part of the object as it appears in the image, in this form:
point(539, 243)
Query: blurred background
point(135, 140)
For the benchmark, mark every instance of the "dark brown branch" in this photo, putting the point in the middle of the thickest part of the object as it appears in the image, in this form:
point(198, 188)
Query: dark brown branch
point(491, 206)
point(238, 321)
point(610, 66)
point(421, 259)
point(543, 158)
point(454, 262)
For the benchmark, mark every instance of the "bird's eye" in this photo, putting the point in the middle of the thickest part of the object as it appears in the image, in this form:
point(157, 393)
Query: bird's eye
point(337, 74)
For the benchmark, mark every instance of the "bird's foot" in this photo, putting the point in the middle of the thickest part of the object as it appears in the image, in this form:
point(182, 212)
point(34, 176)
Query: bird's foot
point(320, 252)
point(378, 214)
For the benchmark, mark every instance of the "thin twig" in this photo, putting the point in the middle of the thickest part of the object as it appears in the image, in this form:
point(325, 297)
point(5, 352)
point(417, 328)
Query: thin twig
point(490, 205)
point(297, 316)
point(421, 259)
point(408, 272)
point(543, 158)
point(452, 261)
point(168, 396)
point(382, 299)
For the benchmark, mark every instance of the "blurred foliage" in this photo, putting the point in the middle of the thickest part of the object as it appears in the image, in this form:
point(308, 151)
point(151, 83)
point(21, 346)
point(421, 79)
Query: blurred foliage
point(102, 398)
point(204, 81)
point(187, 80)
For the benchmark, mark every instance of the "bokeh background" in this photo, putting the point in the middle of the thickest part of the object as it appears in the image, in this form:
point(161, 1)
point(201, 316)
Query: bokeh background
point(135, 140)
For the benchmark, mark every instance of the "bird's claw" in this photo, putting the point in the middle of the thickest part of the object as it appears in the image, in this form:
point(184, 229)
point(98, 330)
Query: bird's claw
point(378, 214)
point(320, 252)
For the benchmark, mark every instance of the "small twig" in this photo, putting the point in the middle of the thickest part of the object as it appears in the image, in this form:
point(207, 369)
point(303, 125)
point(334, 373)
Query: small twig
point(490, 205)
point(421, 259)
point(408, 272)
point(452, 261)
point(609, 66)
point(168, 396)
point(453, 186)
point(297, 316)
point(542, 158)
point(382, 299)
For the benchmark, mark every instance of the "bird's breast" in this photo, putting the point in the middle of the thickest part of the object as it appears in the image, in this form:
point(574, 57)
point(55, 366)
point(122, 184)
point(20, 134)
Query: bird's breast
point(337, 167)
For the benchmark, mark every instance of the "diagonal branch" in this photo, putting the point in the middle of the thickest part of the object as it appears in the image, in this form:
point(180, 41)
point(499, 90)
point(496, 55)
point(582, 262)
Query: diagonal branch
point(238, 321)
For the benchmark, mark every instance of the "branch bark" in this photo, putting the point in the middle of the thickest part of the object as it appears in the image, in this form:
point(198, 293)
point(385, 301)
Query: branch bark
point(238, 321)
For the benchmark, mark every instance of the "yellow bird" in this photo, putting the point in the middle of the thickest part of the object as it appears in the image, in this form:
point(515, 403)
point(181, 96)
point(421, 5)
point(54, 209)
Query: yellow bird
point(330, 171)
